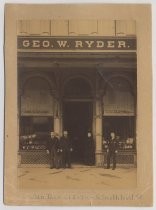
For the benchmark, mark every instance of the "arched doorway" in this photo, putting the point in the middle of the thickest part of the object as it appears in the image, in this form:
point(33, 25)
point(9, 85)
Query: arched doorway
point(78, 114)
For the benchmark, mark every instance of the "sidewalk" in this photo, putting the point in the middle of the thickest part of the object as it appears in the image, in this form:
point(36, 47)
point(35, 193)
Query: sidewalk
point(79, 177)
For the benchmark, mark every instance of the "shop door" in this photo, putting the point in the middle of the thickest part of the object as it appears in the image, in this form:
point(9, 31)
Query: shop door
point(77, 120)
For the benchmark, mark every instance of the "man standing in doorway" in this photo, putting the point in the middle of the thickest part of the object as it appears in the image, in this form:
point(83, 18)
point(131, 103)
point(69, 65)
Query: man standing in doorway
point(52, 148)
point(66, 148)
point(89, 150)
point(112, 150)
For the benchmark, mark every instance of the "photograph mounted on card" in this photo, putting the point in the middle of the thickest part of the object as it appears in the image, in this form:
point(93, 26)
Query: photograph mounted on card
point(76, 129)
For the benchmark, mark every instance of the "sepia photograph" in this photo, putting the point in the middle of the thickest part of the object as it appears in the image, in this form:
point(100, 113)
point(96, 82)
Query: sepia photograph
point(77, 103)
point(76, 114)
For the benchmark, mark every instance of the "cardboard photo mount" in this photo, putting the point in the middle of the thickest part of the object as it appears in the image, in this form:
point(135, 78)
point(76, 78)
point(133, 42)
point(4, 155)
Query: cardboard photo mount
point(142, 195)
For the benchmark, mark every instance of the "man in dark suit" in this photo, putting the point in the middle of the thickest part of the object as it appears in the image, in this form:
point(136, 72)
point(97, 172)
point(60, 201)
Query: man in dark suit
point(89, 150)
point(52, 149)
point(66, 148)
point(112, 150)
point(58, 157)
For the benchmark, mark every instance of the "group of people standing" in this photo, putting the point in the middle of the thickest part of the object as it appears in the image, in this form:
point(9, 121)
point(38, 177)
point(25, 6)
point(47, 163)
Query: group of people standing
point(59, 150)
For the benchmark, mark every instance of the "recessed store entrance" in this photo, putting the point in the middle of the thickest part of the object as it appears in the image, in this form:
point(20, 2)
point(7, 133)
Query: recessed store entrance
point(77, 120)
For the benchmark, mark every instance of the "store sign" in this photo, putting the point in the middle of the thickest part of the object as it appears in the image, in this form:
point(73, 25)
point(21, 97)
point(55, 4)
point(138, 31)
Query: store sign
point(76, 43)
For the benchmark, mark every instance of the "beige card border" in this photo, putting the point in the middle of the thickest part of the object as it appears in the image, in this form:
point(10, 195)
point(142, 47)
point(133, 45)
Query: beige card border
point(144, 192)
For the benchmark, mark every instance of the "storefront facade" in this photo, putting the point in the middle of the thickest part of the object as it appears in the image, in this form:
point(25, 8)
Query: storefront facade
point(78, 76)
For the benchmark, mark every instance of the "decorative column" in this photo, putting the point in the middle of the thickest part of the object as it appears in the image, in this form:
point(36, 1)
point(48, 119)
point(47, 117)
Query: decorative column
point(57, 118)
point(98, 131)
point(58, 102)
